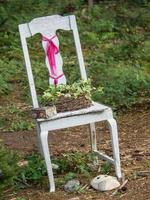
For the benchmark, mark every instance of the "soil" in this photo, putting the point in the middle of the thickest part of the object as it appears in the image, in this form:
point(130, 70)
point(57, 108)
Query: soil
point(134, 139)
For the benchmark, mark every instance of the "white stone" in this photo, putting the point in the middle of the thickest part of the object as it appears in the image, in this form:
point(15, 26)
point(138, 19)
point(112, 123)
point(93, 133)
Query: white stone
point(72, 186)
point(105, 183)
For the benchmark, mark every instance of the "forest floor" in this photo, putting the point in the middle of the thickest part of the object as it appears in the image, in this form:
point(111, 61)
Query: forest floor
point(134, 139)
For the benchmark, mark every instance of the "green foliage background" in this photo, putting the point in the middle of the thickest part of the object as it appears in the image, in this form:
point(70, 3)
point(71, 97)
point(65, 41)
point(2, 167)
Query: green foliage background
point(115, 43)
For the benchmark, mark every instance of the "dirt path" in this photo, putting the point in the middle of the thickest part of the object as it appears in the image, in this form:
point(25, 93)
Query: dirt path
point(134, 136)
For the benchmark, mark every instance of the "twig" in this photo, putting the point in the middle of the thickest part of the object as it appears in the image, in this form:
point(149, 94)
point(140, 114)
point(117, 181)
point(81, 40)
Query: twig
point(84, 187)
point(143, 173)
point(23, 182)
point(118, 189)
point(146, 172)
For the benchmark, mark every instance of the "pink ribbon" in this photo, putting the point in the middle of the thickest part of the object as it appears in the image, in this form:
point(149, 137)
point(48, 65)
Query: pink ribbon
point(51, 50)
point(56, 78)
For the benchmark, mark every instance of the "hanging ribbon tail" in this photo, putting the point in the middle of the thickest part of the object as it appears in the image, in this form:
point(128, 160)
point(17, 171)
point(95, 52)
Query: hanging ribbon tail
point(56, 78)
point(51, 57)
point(55, 82)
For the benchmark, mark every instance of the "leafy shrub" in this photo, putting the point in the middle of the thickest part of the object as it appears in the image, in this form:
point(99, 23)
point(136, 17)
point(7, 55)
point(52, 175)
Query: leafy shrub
point(21, 125)
point(8, 166)
point(122, 87)
point(9, 71)
point(69, 164)
point(33, 171)
point(72, 163)
point(15, 118)
point(12, 174)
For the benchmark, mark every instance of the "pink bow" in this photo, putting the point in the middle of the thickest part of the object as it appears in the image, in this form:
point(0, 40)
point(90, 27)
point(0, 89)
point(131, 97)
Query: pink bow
point(51, 50)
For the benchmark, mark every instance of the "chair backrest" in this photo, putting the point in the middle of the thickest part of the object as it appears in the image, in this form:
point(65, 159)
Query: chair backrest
point(47, 26)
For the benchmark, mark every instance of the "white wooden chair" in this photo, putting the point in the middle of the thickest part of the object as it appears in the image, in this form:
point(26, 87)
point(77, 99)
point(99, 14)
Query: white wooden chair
point(47, 26)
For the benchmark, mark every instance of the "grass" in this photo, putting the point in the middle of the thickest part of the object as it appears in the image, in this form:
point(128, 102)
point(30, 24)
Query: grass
point(13, 118)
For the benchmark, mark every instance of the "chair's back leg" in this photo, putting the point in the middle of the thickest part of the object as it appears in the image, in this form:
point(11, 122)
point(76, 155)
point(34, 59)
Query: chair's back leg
point(40, 149)
point(93, 137)
point(115, 146)
point(93, 141)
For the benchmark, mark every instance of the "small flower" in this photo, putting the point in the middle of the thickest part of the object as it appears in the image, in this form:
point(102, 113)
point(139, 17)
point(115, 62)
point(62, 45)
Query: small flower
point(67, 95)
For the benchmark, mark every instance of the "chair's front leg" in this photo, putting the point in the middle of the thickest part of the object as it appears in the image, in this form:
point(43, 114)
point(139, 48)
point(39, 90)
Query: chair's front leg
point(115, 145)
point(45, 148)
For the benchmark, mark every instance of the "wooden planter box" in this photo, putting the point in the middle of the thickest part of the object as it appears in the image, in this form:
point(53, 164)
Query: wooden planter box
point(65, 104)
point(44, 112)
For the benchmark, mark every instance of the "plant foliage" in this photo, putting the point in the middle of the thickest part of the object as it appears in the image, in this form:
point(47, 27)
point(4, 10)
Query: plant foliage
point(80, 88)
point(8, 167)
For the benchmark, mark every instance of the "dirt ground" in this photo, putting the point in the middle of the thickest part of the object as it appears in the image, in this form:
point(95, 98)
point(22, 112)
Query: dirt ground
point(134, 139)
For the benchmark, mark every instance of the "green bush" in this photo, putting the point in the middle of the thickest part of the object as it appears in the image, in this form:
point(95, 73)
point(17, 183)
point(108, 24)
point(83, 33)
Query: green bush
point(122, 86)
point(21, 125)
point(8, 166)
point(9, 72)
point(74, 163)
point(11, 174)
point(33, 171)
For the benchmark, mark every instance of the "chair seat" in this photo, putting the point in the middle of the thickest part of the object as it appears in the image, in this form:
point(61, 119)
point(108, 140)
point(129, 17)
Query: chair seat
point(96, 107)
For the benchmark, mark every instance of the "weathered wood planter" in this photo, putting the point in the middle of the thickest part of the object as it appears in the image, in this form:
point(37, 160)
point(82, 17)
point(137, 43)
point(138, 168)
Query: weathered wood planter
point(65, 104)
point(44, 112)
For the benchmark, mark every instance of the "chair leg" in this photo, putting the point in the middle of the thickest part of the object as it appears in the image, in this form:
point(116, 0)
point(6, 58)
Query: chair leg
point(93, 137)
point(115, 145)
point(45, 148)
point(39, 140)
point(93, 141)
